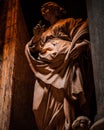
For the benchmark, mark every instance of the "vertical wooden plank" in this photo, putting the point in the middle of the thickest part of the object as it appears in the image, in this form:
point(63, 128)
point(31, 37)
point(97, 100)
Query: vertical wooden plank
point(8, 65)
point(17, 80)
point(22, 93)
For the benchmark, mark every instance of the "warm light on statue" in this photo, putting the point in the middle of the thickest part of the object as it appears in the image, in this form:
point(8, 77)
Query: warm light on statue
point(57, 56)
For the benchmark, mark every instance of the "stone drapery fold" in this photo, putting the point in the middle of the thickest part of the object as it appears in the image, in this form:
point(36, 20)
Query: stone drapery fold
point(60, 75)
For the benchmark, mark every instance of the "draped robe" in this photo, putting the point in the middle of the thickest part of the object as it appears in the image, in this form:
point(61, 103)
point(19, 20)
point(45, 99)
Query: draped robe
point(64, 81)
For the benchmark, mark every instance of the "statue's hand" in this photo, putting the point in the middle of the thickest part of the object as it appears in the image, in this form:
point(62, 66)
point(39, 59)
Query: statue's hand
point(38, 30)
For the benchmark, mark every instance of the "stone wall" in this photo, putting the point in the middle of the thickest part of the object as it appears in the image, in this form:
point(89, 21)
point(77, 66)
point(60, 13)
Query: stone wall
point(96, 27)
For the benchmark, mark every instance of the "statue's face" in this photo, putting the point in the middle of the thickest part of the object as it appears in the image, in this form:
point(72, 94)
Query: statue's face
point(46, 14)
point(44, 11)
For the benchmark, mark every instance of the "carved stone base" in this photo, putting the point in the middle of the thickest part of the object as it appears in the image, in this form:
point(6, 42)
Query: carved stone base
point(81, 123)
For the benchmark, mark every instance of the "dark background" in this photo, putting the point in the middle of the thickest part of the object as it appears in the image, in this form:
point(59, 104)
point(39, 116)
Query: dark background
point(32, 14)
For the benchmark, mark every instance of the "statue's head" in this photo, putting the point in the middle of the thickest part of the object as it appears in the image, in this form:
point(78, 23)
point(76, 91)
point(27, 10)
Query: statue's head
point(53, 8)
